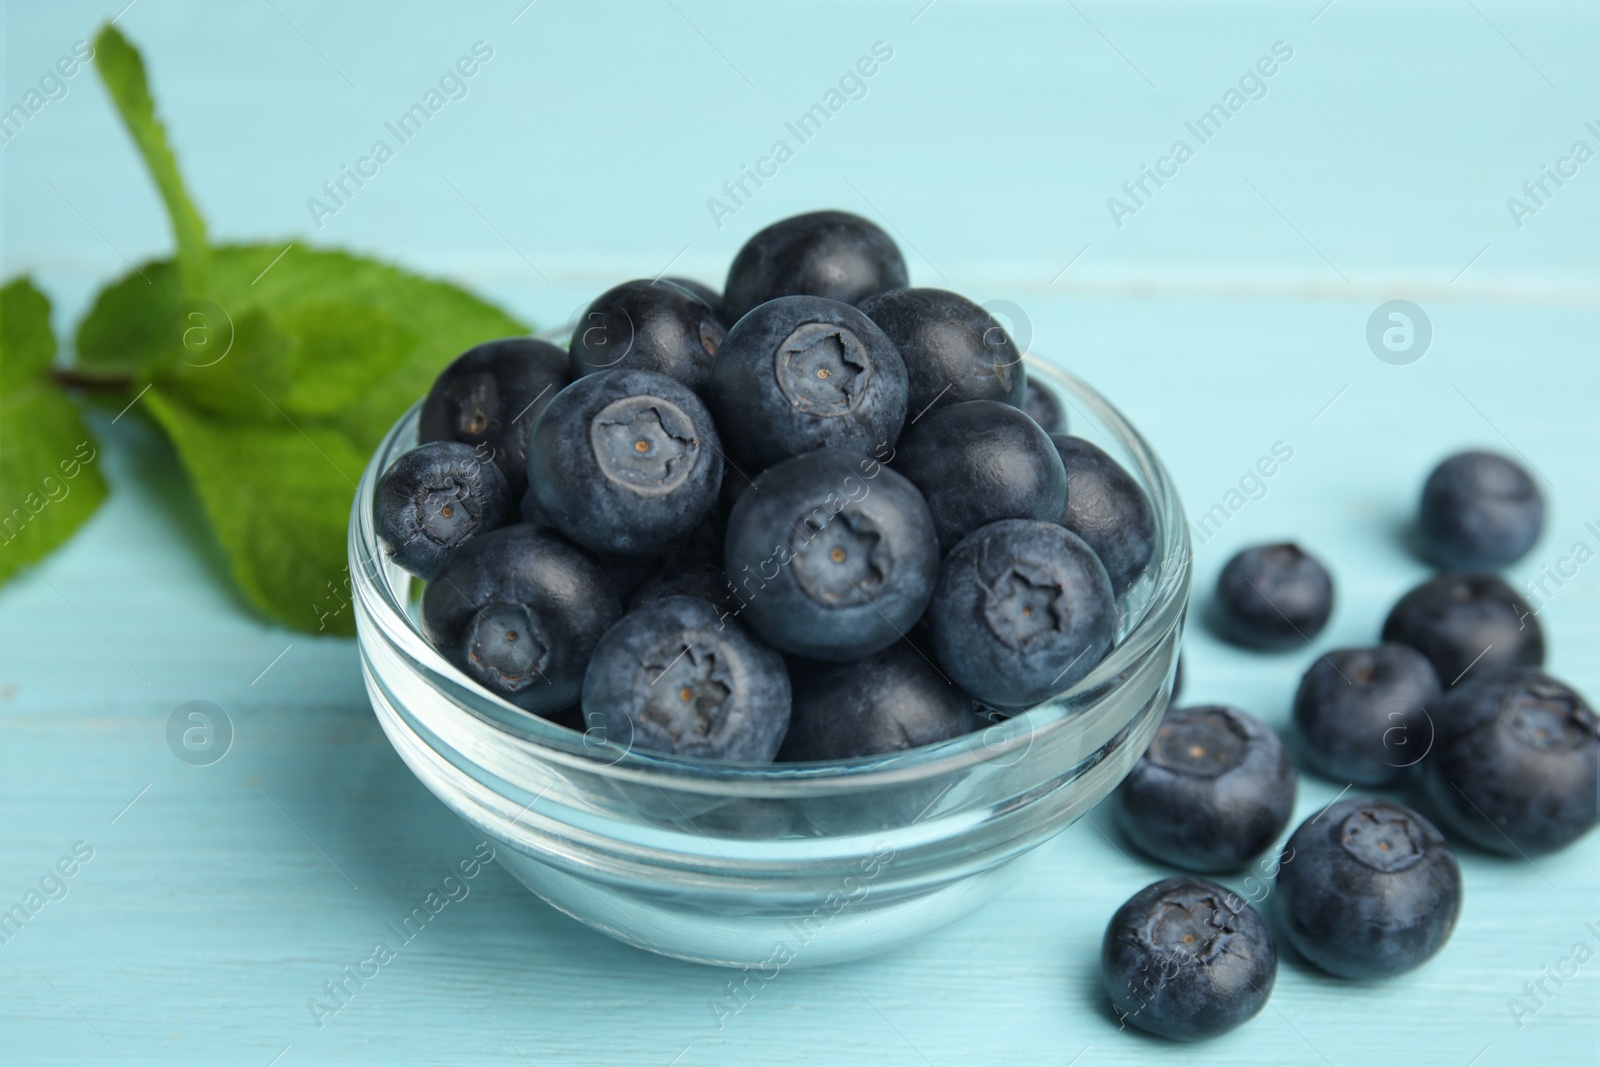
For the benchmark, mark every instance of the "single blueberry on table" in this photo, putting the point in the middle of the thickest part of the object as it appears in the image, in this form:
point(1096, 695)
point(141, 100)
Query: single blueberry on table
point(1186, 959)
point(625, 462)
point(519, 610)
point(1273, 596)
point(1108, 509)
point(888, 702)
point(1513, 768)
point(1364, 715)
point(1368, 889)
point(435, 499)
point(489, 397)
point(832, 554)
point(1467, 625)
point(674, 676)
point(1480, 511)
point(953, 349)
point(1042, 407)
point(652, 326)
point(1214, 790)
point(981, 461)
point(1021, 611)
point(801, 373)
point(833, 254)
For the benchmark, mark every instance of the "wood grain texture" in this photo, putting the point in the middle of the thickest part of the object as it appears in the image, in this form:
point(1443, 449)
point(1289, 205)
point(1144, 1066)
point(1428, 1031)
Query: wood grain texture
point(1226, 315)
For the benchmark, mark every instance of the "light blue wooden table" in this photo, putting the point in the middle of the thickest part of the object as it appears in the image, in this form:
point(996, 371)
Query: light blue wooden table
point(1226, 313)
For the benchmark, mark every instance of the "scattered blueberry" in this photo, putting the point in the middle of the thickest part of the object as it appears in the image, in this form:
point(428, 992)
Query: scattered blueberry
point(833, 555)
point(489, 397)
point(1187, 959)
point(1467, 622)
point(1042, 407)
point(1480, 511)
point(520, 609)
point(674, 676)
point(1106, 508)
point(652, 326)
point(1214, 790)
point(801, 373)
point(1513, 768)
point(953, 349)
point(1273, 596)
point(625, 462)
point(889, 701)
point(824, 253)
point(1021, 611)
point(1363, 713)
point(1368, 889)
point(433, 500)
point(981, 461)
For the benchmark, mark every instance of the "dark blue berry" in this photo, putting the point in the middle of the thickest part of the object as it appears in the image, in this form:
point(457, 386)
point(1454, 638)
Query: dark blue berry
point(801, 373)
point(519, 610)
point(1513, 765)
point(1214, 790)
point(1187, 959)
point(1021, 611)
point(435, 499)
point(1273, 596)
point(824, 253)
point(1467, 625)
point(981, 461)
point(489, 397)
point(674, 676)
point(652, 326)
point(1042, 407)
point(888, 702)
point(833, 555)
point(1363, 713)
point(625, 462)
point(1368, 889)
point(1480, 511)
point(953, 349)
point(1108, 509)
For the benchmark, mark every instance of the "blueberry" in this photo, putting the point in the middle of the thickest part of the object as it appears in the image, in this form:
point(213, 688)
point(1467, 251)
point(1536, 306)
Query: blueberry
point(1187, 959)
point(1363, 713)
point(981, 461)
point(674, 676)
point(435, 499)
point(1273, 596)
point(833, 555)
point(888, 702)
point(824, 253)
point(1368, 889)
point(1106, 508)
point(1040, 402)
point(803, 372)
point(519, 610)
point(1513, 767)
point(953, 349)
point(1467, 622)
point(652, 326)
point(1480, 511)
point(1214, 789)
point(489, 397)
point(1021, 611)
point(625, 462)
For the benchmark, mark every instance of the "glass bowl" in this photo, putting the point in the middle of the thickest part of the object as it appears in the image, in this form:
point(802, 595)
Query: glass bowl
point(774, 864)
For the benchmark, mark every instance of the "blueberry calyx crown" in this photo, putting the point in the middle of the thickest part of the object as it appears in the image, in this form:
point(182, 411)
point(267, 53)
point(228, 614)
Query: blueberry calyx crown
point(503, 643)
point(686, 689)
point(823, 369)
point(644, 444)
point(842, 561)
point(1193, 929)
point(1202, 744)
point(441, 513)
point(1026, 602)
point(1550, 719)
point(1383, 839)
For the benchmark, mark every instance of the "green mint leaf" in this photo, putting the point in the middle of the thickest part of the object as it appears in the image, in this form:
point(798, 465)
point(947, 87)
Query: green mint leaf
point(122, 70)
point(48, 484)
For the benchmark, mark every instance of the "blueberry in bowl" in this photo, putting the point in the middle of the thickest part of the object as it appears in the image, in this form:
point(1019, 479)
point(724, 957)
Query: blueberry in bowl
point(435, 499)
point(954, 350)
point(831, 254)
point(1106, 507)
point(653, 326)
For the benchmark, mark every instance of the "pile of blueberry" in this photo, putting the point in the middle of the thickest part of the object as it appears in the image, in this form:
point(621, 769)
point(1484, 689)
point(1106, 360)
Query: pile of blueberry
point(820, 516)
point(1452, 704)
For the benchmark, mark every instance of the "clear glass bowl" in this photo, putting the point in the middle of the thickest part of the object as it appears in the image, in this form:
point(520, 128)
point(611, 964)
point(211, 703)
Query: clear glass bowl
point(789, 864)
